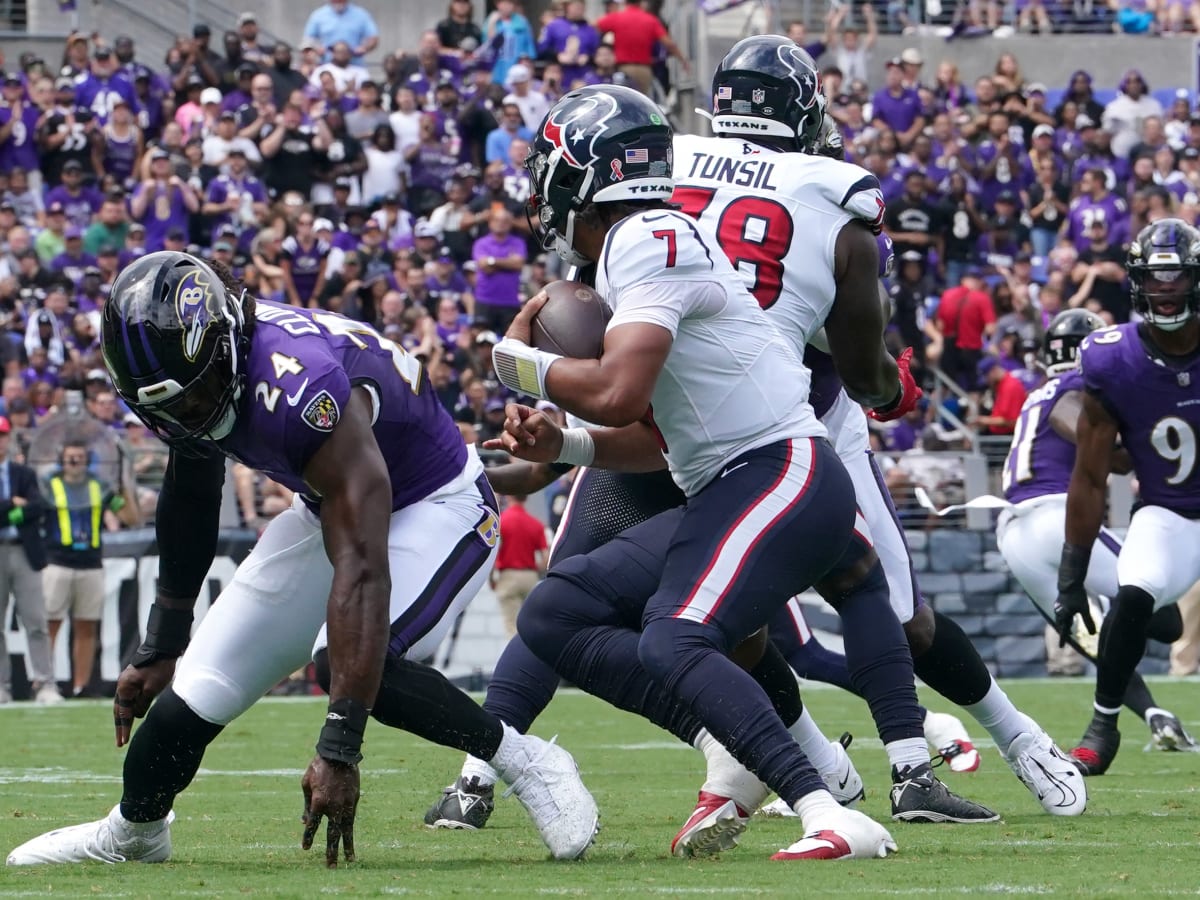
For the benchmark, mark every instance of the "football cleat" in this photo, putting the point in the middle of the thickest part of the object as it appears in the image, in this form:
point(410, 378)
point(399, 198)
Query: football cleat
point(778, 809)
point(1097, 748)
point(1166, 732)
point(1050, 774)
point(466, 804)
point(547, 783)
point(110, 840)
point(947, 736)
point(715, 824)
point(840, 833)
point(844, 781)
point(917, 796)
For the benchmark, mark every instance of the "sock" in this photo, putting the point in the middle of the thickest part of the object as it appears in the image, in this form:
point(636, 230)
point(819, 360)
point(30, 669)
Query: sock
point(521, 686)
point(163, 757)
point(1122, 645)
point(726, 777)
point(1138, 696)
point(814, 744)
point(813, 804)
point(420, 700)
point(906, 753)
point(1003, 721)
point(511, 754)
point(952, 666)
point(123, 829)
point(475, 768)
point(880, 664)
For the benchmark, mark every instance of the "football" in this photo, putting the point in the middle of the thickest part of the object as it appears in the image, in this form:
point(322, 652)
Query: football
point(572, 322)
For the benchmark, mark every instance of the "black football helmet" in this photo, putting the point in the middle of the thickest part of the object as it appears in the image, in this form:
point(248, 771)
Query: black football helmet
point(1060, 343)
point(768, 86)
point(1164, 273)
point(596, 145)
point(174, 342)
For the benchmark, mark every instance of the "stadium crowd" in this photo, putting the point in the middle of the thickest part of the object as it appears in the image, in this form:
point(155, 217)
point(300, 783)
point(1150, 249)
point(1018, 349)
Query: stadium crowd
point(397, 196)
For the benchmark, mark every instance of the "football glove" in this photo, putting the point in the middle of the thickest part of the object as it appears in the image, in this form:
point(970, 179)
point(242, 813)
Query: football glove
point(906, 400)
point(1072, 596)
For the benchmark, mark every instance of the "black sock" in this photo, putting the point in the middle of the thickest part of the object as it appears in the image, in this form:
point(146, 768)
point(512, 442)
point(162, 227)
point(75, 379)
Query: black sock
point(952, 666)
point(1122, 644)
point(163, 757)
point(1138, 696)
point(775, 677)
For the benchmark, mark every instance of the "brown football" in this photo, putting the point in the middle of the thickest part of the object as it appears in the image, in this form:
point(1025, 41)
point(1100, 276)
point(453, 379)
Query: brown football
point(572, 322)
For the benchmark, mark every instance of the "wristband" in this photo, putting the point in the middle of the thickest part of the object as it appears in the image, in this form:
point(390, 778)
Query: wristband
point(892, 404)
point(1072, 568)
point(342, 735)
point(560, 468)
point(522, 368)
point(578, 448)
point(167, 634)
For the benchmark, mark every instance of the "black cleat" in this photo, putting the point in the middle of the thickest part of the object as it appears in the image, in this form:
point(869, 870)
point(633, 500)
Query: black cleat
point(464, 804)
point(917, 796)
point(1097, 748)
point(1166, 732)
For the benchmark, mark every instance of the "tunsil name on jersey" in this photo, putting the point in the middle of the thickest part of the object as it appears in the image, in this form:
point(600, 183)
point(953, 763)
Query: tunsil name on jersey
point(752, 173)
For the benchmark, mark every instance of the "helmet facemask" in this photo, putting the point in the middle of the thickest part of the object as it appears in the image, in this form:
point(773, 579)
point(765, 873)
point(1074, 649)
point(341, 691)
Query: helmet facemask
point(558, 192)
point(1164, 273)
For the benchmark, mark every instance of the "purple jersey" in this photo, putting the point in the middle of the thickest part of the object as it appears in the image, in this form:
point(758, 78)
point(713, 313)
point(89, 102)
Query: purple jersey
point(78, 208)
point(306, 264)
point(300, 370)
point(100, 95)
point(20, 150)
point(562, 35)
point(72, 266)
point(248, 188)
point(1157, 410)
point(1040, 460)
point(898, 113)
point(1084, 211)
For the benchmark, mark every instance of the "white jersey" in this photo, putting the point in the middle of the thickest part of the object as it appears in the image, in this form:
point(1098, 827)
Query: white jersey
point(777, 215)
point(730, 382)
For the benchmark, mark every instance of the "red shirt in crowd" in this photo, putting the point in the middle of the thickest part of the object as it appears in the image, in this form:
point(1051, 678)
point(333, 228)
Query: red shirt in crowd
point(1010, 397)
point(963, 314)
point(635, 32)
point(521, 536)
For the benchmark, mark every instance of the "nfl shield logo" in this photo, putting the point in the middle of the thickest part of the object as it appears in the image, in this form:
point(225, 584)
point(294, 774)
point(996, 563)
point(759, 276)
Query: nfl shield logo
point(758, 95)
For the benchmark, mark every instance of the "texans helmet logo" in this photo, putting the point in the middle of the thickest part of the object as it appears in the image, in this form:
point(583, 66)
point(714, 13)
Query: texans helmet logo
point(577, 126)
point(800, 71)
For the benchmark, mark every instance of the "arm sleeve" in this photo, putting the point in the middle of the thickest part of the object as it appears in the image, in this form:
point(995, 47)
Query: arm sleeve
point(187, 521)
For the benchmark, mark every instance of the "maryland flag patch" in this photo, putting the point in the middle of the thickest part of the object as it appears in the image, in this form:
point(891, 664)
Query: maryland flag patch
point(322, 412)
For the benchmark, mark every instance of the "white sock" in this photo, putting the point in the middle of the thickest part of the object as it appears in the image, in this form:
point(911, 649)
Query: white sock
point(814, 744)
point(512, 754)
point(1003, 721)
point(726, 777)
point(477, 768)
point(907, 752)
point(123, 829)
point(813, 804)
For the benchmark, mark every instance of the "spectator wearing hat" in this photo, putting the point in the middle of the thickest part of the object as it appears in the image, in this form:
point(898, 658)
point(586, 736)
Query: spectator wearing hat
point(109, 229)
point(911, 221)
point(220, 145)
point(499, 257)
point(73, 259)
point(242, 94)
point(230, 69)
point(447, 113)
point(342, 22)
point(343, 285)
point(236, 197)
point(571, 41)
point(445, 281)
point(1041, 150)
point(372, 248)
point(42, 333)
point(1005, 236)
point(1184, 181)
point(369, 114)
point(253, 50)
point(290, 152)
point(197, 60)
point(396, 222)
point(1008, 396)
point(64, 133)
point(19, 120)
point(79, 201)
point(1099, 274)
point(163, 202)
point(636, 33)
point(897, 107)
point(22, 557)
point(965, 317)
point(911, 62)
point(512, 125)
point(1125, 115)
point(1048, 201)
point(96, 91)
point(120, 146)
point(508, 37)
point(532, 103)
point(427, 240)
point(135, 244)
point(202, 122)
point(51, 241)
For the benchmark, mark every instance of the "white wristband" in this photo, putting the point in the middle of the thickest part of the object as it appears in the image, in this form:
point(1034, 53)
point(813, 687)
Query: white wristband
point(522, 368)
point(578, 448)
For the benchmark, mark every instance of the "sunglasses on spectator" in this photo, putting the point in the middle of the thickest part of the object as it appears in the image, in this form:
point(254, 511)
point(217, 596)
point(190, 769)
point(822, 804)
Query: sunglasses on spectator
point(74, 460)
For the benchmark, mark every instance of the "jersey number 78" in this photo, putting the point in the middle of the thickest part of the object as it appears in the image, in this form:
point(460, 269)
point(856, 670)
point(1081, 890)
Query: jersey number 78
point(756, 231)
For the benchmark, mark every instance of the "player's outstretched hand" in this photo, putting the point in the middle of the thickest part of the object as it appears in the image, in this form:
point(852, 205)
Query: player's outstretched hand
point(521, 328)
point(1069, 603)
point(910, 393)
point(528, 434)
point(136, 689)
point(330, 790)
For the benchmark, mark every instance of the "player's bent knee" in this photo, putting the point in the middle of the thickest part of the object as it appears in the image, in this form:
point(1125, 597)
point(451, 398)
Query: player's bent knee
point(750, 651)
point(550, 616)
point(919, 631)
point(211, 696)
point(669, 647)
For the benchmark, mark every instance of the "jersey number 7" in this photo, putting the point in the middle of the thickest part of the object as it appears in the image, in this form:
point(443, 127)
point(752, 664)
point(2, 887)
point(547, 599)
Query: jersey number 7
point(755, 233)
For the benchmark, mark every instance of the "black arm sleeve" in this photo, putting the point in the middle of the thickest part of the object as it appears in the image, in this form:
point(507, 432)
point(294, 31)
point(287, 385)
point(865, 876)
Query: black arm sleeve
point(186, 523)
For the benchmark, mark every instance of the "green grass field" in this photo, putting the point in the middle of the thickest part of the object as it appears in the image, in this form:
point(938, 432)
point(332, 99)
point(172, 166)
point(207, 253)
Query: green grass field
point(238, 832)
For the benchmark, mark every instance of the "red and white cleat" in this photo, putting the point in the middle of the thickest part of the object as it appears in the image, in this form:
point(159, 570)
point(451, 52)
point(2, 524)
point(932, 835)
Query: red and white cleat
point(843, 834)
point(945, 733)
point(716, 824)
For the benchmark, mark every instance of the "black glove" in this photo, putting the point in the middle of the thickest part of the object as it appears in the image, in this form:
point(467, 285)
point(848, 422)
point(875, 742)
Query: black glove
point(1072, 596)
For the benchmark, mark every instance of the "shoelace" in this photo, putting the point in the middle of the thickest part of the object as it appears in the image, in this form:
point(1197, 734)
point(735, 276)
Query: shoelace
point(95, 847)
point(531, 786)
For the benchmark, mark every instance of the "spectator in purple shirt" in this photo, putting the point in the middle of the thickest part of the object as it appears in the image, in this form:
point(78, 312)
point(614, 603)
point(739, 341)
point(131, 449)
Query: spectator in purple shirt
point(79, 201)
point(101, 88)
point(163, 202)
point(571, 42)
point(897, 107)
point(18, 129)
point(1096, 203)
point(499, 257)
point(73, 261)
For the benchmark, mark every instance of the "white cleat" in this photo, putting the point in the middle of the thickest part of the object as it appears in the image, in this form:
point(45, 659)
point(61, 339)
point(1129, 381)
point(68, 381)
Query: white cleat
point(843, 781)
point(48, 695)
point(778, 809)
point(548, 785)
point(109, 840)
point(1049, 773)
point(840, 833)
point(946, 735)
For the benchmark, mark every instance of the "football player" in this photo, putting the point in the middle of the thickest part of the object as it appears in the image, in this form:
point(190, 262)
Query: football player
point(692, 373)
point(346, 419)
point(1141, 383)
point(778, 208)
point(1035, 479)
